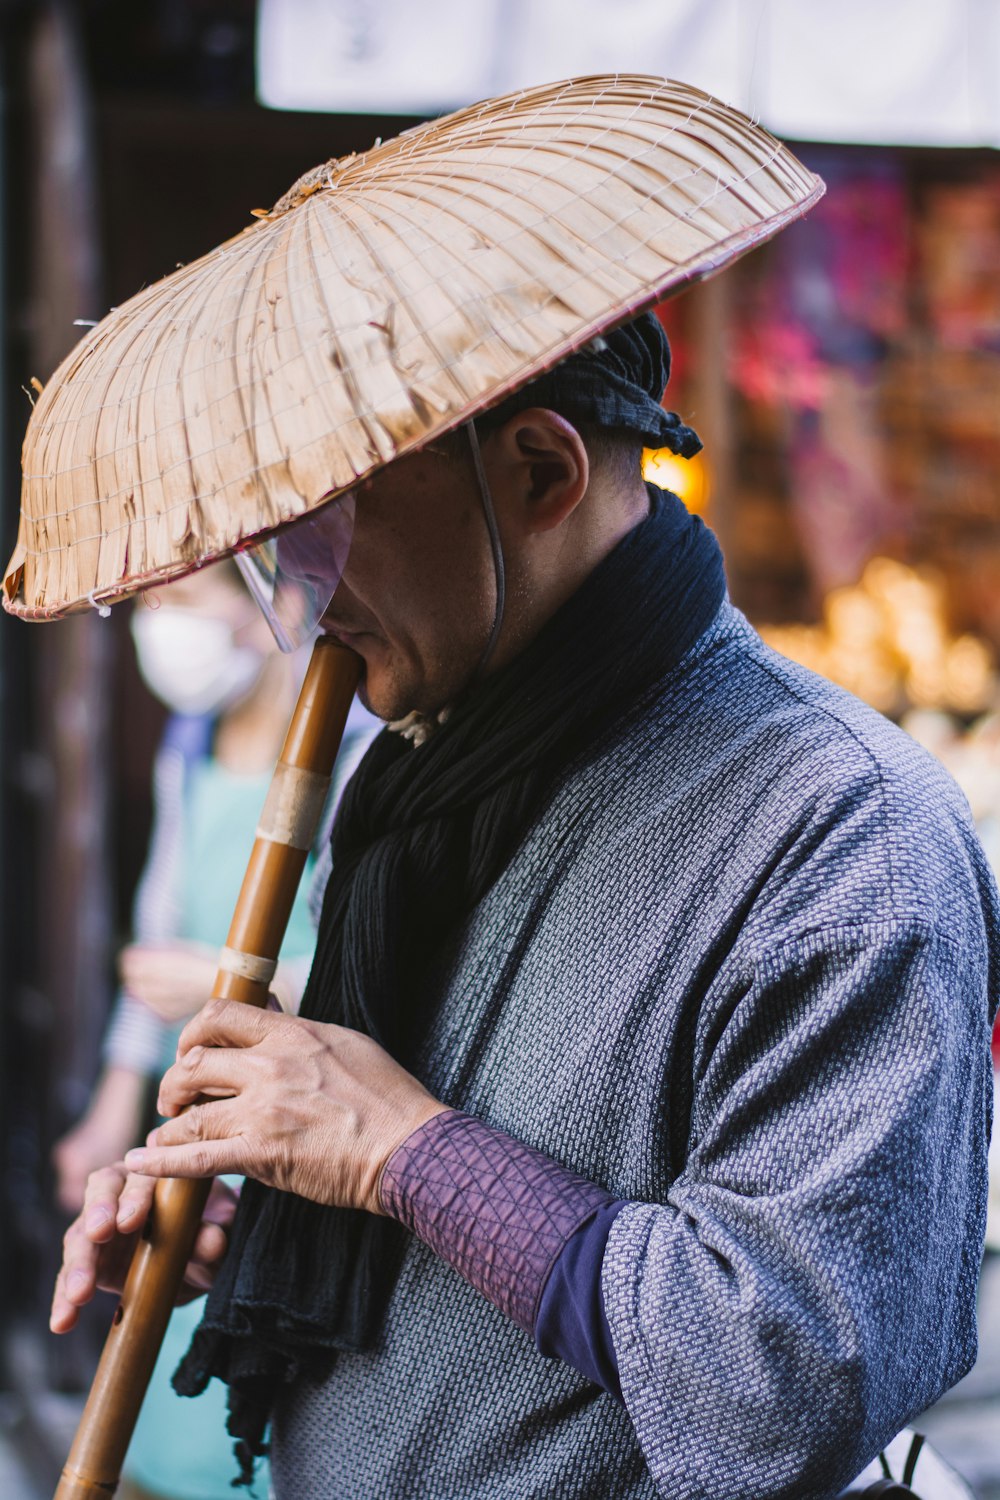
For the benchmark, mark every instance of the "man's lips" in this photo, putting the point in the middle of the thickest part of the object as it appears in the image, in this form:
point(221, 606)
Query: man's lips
point(343, 634)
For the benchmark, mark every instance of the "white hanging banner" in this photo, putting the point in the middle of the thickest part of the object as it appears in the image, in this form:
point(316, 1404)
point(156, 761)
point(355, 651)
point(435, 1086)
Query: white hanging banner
point(892, 72)
point(697, 41)
point(376, 56)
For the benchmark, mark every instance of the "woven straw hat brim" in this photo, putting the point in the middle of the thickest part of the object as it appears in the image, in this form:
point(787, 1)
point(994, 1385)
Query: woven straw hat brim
point(384, 300)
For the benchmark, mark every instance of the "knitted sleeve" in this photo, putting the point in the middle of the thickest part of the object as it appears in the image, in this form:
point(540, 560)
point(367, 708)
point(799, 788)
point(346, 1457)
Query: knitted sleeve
point(810, 1281)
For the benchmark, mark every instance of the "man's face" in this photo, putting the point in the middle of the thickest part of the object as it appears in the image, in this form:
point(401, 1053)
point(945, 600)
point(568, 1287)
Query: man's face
point(417, 596)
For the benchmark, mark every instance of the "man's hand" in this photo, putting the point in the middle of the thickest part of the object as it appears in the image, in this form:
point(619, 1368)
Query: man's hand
point(172, 980)
point(98, 1246)
point(310, 1108)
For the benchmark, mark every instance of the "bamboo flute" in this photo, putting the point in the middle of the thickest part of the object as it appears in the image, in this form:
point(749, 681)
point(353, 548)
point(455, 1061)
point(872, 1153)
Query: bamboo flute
point(285, 835)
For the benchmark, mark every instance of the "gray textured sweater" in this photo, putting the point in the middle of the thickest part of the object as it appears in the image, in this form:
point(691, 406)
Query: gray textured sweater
point(746, 960)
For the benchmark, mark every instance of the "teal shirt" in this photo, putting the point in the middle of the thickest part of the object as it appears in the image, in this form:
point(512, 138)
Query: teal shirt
point(180, 1448)
point(221, 810)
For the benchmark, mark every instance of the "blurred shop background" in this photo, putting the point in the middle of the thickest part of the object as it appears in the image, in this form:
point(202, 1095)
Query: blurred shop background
point(845, 379)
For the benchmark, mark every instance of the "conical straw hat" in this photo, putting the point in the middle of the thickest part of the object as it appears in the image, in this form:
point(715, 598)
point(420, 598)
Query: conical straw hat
point(385, 299)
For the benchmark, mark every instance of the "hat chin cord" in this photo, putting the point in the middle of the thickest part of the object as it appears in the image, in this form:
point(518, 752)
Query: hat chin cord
point(419, 727)
point(496, 548)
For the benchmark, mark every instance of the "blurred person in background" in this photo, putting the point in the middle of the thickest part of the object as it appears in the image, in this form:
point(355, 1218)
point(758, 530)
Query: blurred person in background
point(205, 651)
point(202, 651)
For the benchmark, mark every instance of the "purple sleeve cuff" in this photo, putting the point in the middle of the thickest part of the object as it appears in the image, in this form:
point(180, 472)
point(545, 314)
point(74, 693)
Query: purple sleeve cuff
point(498, 1211)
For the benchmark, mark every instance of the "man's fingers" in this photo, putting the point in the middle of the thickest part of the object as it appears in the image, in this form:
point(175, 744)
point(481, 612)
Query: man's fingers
point(97, 1246)
point(78, 1275)
point(202, 1159)
point(210, 1246)
point(77, 1279)
point(101, 1201)
point(227, 1023)
point(115, 1200)
point(197, 1279)
point(64, 1313)
point(135, 1202)
point(206, 1141)
point(212, 1240)
point(214, 1120)
point(87, 1266)
point(219, 1071)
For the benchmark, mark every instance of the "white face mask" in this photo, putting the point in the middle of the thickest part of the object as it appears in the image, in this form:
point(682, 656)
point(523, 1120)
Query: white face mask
point(191, 661)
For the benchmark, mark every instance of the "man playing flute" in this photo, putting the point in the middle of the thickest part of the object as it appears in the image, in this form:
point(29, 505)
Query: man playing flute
point(631, 1138)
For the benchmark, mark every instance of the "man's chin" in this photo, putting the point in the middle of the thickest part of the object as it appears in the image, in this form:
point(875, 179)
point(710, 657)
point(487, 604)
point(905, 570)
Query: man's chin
point(391, 698)
point(383, 696)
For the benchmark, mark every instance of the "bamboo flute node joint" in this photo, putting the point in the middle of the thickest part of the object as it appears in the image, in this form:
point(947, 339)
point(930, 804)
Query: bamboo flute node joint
point(75, 1487)
point(245, 968)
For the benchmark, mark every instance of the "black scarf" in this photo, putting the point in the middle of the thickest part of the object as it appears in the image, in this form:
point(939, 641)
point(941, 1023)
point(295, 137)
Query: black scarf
point(421, 836)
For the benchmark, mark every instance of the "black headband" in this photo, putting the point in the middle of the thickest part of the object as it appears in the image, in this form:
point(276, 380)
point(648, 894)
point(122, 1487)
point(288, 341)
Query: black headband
point(615, 382)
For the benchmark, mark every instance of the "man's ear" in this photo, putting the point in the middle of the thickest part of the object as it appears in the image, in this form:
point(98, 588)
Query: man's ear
point(538, 463)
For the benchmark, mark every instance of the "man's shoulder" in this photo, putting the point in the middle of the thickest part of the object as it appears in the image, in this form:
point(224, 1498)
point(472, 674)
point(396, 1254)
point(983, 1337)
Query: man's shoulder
point(790, 773)
point(737, 695)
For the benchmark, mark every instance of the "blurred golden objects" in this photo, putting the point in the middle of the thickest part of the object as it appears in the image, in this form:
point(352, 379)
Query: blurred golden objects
point(886, 638)
point(688, 478)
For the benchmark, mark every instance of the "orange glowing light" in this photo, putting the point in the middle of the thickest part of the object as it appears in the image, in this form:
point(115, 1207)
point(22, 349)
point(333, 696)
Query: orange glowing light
point(687, 477)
